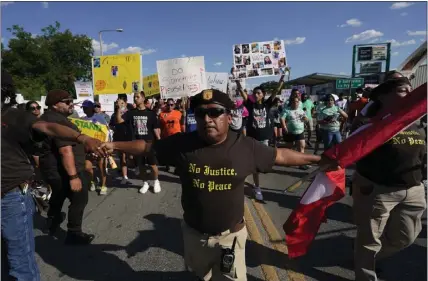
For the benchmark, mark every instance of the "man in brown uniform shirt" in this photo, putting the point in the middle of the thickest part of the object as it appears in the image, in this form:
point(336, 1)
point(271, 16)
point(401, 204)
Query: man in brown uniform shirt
point(213, 171)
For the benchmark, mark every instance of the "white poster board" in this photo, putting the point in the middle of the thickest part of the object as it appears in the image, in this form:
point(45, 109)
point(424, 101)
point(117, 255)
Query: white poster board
point(259, 59)
point(217, 80)
point(233, 87)
point(181, 77)
point(84, 91)
point(107, 103)
point(285, 94)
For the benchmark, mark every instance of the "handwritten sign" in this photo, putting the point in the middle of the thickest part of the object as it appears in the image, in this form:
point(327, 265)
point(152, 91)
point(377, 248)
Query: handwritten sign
point(285, 94)
point(107, 102)
point(84, 91)
point(259, 59)
point(217, 80)
point(181, 77)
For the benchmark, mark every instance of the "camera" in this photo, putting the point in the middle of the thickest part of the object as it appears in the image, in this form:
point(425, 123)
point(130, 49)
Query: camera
point(228, 258)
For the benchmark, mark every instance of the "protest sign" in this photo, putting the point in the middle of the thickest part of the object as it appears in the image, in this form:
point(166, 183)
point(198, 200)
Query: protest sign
point(232, 87)
point(117, 74)
point(94, 130)
point(300, 88)
point(217, 80)
point(84, 91)
point(151, 85)
point(107, 102)
point(285, 94)
point(181, 77)
point(259, 59)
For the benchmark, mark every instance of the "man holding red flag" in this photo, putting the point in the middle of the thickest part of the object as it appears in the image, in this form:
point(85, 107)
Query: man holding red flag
point(394, 111)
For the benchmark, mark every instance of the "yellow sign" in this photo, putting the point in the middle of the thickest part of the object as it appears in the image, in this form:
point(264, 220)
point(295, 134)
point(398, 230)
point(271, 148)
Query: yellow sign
point(151, 85)
point(117, 74)
point(96, 131)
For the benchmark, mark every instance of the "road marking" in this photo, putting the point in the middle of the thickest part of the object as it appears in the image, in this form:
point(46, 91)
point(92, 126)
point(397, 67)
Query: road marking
point(274, 236)
point(269, 271)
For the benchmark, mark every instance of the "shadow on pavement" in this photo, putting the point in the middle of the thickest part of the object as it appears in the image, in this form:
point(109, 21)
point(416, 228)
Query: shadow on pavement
point(93, 262)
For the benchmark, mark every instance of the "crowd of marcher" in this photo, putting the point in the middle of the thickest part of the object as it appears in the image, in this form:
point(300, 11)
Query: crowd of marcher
point(214, 141)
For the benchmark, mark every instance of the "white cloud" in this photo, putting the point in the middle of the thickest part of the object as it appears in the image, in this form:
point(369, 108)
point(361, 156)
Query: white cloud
point(297, 41)
point(395, 43)
point(364, 36)
point(5, 3)
point(423, 39)
point(133, 50)
point(403, 14)
point(275, 39)
point(395, 54)
point(374, 40)
point(45, 5)
point(351, 22)
point(219, 63)
point(34, 35)
point(401, 5)
point(417, 33)
point(183, 56)
point(106, 47)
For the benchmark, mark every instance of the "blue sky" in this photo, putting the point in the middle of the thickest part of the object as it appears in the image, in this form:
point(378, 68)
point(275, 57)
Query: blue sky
point(316, 31)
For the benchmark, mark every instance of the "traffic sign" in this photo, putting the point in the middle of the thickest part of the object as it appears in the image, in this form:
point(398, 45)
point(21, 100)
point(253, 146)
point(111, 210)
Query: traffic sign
point(345, 83)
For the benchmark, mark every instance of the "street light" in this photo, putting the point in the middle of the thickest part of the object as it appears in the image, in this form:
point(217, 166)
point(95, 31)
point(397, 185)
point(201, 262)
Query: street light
point(107, 30)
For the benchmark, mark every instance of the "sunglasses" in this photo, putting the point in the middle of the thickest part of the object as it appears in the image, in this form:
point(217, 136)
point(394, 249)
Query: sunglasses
point(97, 106)
point(67, 102)
point(32, 108)
point(211, 112)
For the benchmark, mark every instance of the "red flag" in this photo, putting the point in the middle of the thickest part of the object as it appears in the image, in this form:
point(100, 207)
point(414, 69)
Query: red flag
point(327, 188)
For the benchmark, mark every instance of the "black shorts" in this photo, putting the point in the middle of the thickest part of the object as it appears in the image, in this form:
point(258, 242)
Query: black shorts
point(293, 138)
point(277, 125)
point(149, 159)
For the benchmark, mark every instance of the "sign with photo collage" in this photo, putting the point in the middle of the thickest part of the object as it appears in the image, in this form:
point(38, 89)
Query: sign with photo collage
point(259, 59)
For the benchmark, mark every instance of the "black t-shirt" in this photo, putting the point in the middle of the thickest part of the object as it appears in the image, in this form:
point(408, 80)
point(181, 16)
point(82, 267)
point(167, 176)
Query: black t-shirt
point(213, 176)
point(258, 124)
point(398, 162)
point(50, 159)
point(141, 123)
point(18, 140)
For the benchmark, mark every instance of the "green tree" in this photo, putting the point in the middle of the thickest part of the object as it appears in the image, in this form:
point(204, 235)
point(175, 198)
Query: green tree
point(53, 60)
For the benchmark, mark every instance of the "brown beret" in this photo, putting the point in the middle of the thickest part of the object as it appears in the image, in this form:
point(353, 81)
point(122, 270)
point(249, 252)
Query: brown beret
point(55, 96)
point(212, 96)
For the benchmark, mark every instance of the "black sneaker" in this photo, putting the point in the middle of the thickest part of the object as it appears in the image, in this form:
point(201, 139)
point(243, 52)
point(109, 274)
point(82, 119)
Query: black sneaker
point(53, 223)
point(78, 238)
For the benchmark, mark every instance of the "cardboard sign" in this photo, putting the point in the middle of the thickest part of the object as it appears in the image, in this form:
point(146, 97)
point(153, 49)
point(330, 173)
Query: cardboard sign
point(259, 59)
point(84, 91)
point(107, 102)
point(181, 77)
point(116, 74)
point(285, 94)
point(217, 80)
point(151, 85)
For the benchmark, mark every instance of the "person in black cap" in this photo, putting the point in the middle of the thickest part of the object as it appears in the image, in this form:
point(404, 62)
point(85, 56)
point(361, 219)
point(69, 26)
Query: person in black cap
point(212, 171)
point(63, 167)
point(20, 131)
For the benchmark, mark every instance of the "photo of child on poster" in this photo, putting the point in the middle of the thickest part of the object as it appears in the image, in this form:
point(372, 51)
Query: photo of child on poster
point(265, 58)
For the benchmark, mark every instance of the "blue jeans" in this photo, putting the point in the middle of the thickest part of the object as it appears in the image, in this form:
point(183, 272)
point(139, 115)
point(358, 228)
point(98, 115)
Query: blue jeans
point(17, 211)
point(331, 138)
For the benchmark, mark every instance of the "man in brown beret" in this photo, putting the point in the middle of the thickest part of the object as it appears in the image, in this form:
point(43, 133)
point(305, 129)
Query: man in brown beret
point(63, 167)
point(213, 163)
point(20, 133)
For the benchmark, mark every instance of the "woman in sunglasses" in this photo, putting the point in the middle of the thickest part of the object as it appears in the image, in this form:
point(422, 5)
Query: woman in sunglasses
point(34, 108)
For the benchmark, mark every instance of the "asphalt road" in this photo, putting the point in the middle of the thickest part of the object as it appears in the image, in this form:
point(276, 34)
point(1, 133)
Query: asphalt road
point(138, 237)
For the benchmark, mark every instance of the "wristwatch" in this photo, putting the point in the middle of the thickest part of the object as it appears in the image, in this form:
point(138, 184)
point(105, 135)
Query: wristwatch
point(73, 177)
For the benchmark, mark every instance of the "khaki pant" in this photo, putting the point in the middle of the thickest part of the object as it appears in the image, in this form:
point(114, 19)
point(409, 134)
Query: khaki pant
point(202, 254)
point(388, 220)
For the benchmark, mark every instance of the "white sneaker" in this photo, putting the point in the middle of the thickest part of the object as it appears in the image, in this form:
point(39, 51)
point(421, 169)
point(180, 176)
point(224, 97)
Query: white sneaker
point(156, 186)
point(145, 188)
point(258, 193)
point(93, 187)
point(124, 180)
